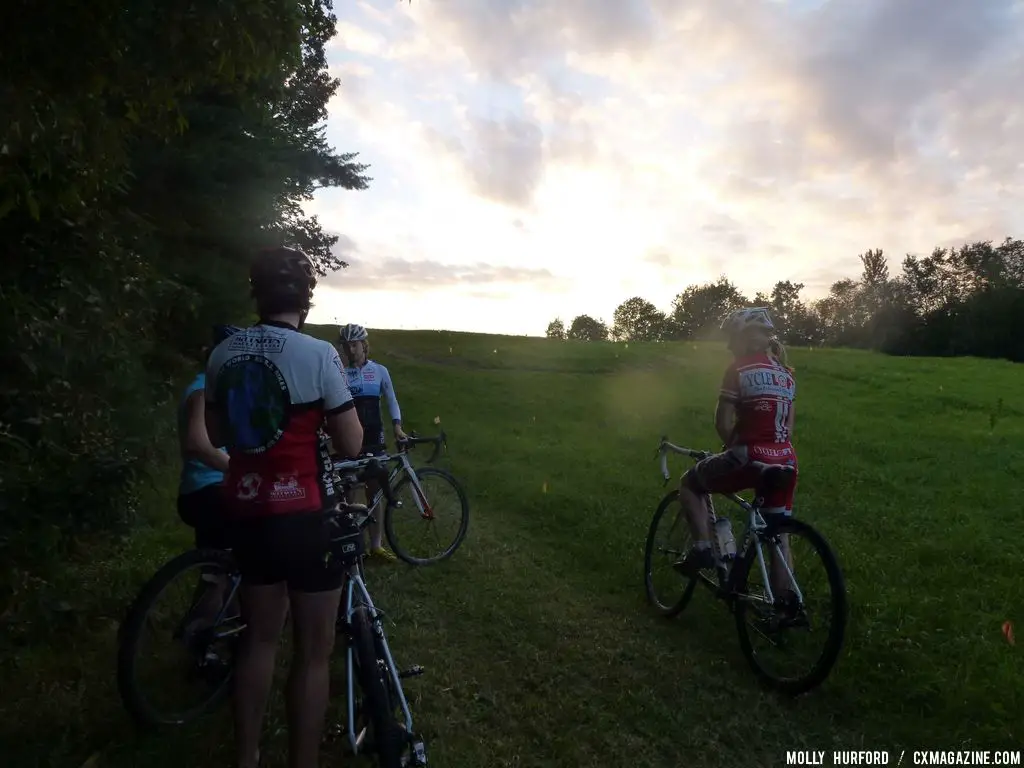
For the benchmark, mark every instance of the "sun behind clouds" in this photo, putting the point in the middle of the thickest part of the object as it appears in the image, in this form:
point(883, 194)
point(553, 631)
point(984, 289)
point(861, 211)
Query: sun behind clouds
point(555, 159)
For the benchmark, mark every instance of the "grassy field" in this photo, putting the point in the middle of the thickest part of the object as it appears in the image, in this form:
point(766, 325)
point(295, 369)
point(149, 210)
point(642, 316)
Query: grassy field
point(540, 650)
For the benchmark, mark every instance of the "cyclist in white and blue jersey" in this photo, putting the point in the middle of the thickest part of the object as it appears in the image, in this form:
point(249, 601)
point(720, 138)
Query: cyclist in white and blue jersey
point(369, 381)
point(200, 483)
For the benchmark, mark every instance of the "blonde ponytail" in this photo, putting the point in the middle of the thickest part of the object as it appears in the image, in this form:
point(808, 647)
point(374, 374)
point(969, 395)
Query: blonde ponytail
point(776, 350)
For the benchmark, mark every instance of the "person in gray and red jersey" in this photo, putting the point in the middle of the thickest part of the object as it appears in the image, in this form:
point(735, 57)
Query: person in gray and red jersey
point(269, 390)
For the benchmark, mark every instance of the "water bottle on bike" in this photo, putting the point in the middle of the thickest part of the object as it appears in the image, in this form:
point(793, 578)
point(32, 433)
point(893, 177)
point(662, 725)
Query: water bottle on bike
point(725, 540)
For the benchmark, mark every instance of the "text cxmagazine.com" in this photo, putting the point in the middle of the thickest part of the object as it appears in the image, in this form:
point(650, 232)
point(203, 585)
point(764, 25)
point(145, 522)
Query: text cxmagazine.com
point(901, 757)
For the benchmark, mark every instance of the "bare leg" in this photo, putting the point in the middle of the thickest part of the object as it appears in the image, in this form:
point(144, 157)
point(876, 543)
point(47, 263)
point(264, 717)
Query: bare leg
point(698, 517)
point(696, 508)
point(264, 609)
point(313, 617)
point(376, 535)
point(376, 528)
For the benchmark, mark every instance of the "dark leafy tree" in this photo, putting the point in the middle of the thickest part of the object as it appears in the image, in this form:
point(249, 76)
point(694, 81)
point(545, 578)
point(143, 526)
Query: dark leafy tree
point(586, 328)
point(636, 319)
point(556, 329)
point(144, 154)
point(700, 309)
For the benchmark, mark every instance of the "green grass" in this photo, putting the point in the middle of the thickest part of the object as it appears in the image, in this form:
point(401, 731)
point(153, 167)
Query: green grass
point(539, 647)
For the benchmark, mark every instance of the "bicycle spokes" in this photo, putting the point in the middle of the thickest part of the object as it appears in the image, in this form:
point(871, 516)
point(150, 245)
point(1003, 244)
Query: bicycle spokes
point(786, 605)
point(423, 503)
point(430, 520)
point(176, 652)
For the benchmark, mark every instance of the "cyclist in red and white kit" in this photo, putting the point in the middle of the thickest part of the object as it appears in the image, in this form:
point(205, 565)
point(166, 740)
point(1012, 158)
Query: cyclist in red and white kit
point(754, 418)
point(269, 390)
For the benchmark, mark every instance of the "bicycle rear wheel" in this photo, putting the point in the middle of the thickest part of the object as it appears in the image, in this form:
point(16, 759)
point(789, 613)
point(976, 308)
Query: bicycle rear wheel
point(202, 630)
point(422, 538)
point(788, 626)
point(667, 590)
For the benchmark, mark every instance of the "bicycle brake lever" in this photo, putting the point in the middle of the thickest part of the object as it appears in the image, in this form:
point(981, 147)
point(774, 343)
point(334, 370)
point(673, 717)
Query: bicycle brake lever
point(661, 446)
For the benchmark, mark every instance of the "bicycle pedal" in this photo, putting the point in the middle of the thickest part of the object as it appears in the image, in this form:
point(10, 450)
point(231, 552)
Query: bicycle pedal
point(414, 671)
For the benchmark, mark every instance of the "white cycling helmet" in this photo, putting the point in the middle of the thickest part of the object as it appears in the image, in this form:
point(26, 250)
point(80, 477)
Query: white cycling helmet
point(352, 332)
point(749, 317)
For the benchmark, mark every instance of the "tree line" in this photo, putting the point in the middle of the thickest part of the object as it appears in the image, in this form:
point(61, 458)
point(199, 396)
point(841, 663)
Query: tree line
point(954, 302)
point(144, 154)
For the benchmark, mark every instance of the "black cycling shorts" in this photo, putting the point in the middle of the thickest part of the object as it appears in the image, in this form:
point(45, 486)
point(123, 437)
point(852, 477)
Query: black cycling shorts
point(203, 510)
point(286, 548)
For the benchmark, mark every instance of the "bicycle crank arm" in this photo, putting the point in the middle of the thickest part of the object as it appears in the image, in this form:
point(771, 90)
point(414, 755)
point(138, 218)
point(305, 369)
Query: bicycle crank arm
point(419, 751)
point(414, 671)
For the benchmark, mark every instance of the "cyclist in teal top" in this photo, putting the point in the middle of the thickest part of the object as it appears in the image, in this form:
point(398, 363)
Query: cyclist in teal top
point(200, 499)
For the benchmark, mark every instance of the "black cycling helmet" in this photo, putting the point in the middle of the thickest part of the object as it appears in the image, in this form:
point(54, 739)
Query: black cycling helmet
point(282, 280)
point(221, 332)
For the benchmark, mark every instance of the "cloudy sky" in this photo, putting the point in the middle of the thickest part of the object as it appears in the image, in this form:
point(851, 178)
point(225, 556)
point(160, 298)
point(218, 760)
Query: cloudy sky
point(534, 158)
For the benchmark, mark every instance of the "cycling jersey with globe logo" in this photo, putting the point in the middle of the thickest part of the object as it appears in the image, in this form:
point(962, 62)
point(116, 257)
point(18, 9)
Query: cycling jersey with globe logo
point(271, 388)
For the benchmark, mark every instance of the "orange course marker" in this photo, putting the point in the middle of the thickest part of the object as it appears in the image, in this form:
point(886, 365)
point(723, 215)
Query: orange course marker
point(1008, 632)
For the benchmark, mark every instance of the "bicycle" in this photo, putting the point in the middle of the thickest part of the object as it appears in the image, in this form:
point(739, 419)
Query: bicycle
point(377, 721)
point(764, 613)
point(404, 476)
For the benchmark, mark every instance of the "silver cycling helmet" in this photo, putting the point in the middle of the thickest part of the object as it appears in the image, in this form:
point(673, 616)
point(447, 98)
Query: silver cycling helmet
point(352, 332)
point(749, 317)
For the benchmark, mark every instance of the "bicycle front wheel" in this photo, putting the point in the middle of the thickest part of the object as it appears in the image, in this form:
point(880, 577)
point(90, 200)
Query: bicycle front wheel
point(667, 540)
point(372, 673)
point(807, 616)
point(431, 534)
point(175, 656)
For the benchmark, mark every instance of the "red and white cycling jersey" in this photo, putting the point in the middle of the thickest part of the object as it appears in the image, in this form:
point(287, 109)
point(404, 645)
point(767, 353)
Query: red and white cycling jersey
point(762, 390)
point(271, 388)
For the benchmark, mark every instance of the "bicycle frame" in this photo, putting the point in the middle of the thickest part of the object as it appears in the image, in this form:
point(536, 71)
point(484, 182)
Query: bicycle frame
point(235, 583)
point(404, 466)
point(755, 525)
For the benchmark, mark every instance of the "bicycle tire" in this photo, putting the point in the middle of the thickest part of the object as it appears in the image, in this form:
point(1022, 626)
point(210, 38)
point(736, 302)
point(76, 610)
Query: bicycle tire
point(394, 540)
point(387, 735)
point(134, 700)
point(837, 631)
point(665, 609)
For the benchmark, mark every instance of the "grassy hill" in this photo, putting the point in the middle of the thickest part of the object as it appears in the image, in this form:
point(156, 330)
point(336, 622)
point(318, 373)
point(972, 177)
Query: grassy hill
point(539, 647)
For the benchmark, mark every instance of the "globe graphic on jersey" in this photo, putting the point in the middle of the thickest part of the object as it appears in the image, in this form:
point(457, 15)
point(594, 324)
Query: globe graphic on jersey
point(256, 402)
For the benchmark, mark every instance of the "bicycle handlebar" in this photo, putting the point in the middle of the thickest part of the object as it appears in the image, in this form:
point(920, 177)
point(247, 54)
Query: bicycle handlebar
point(665, 448)
point(439, 441)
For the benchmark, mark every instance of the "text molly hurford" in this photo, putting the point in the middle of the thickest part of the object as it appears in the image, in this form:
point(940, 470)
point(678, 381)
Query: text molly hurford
point(916, 757)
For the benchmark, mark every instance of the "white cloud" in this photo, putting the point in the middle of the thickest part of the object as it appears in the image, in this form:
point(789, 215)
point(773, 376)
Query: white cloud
point(637, 146)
